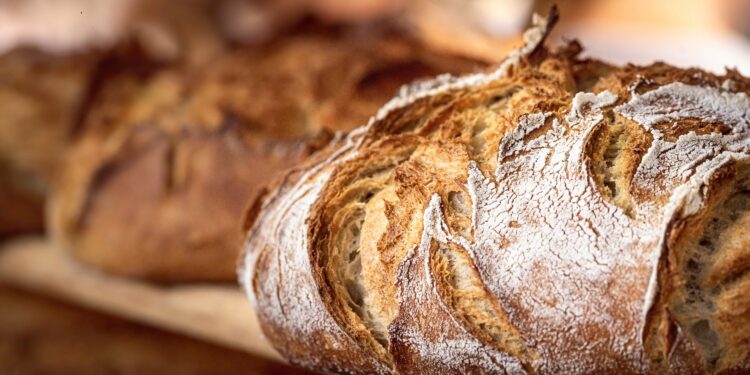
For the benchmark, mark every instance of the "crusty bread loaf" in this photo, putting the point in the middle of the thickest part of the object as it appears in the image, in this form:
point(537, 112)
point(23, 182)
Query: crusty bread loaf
point(157, 184)
point(557, 215)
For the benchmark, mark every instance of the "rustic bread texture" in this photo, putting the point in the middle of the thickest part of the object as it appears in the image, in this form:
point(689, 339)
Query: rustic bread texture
point(157, 184)
point(556, 215)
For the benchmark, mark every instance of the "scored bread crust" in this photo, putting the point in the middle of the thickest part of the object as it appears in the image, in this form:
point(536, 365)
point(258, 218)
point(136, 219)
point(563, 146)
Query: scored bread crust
point(556, 215)
point(157, 184)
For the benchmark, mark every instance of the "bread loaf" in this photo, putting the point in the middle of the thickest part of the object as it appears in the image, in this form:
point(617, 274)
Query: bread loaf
point(157, 184)
point(557, 215)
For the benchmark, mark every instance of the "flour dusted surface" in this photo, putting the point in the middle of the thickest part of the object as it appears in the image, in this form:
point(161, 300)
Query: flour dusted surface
point(684, 165)
point(573, 272)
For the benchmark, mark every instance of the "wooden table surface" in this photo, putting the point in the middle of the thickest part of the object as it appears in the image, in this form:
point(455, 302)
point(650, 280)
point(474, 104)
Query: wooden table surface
point(217, 314)
point(43, 335)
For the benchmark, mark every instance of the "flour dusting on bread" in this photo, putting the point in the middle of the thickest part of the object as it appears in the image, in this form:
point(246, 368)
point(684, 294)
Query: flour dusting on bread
point(533, 38)
point(581, 236)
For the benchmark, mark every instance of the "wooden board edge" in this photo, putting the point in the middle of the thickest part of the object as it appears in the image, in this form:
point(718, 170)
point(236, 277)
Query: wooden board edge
point(220, 314)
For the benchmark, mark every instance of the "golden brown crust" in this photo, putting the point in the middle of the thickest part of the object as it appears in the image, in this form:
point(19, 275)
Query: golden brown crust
point(158, 183)
point(536, 219)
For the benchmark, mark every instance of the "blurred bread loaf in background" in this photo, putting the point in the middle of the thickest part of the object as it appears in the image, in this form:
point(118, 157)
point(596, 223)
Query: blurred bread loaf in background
point(58, 57)
point(39, 102)
point(158, 123)
point(52, 66)
point(156, 185)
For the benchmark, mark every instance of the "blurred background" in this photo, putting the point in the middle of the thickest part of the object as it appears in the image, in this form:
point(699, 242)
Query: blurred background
point(126, 125)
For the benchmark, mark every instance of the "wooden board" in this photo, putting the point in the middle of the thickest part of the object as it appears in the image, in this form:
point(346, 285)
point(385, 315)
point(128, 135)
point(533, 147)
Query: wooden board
point(217, 313)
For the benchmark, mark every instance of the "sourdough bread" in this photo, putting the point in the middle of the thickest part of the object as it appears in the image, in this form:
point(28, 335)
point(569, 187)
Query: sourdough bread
point(557, 215)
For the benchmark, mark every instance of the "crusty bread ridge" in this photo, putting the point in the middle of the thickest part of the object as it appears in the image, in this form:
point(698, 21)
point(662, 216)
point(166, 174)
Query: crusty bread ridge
point(157, 184)
point(556, 215)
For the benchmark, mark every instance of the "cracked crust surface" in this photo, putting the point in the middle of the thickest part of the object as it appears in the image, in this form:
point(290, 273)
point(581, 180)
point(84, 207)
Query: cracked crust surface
point(556, 215)
point(157, 184)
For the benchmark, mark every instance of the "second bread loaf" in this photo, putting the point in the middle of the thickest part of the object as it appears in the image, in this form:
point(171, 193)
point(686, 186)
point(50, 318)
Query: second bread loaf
point(157, 185)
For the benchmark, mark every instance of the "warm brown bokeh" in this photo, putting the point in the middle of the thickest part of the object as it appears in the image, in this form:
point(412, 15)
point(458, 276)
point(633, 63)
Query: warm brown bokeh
point(39, 335)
